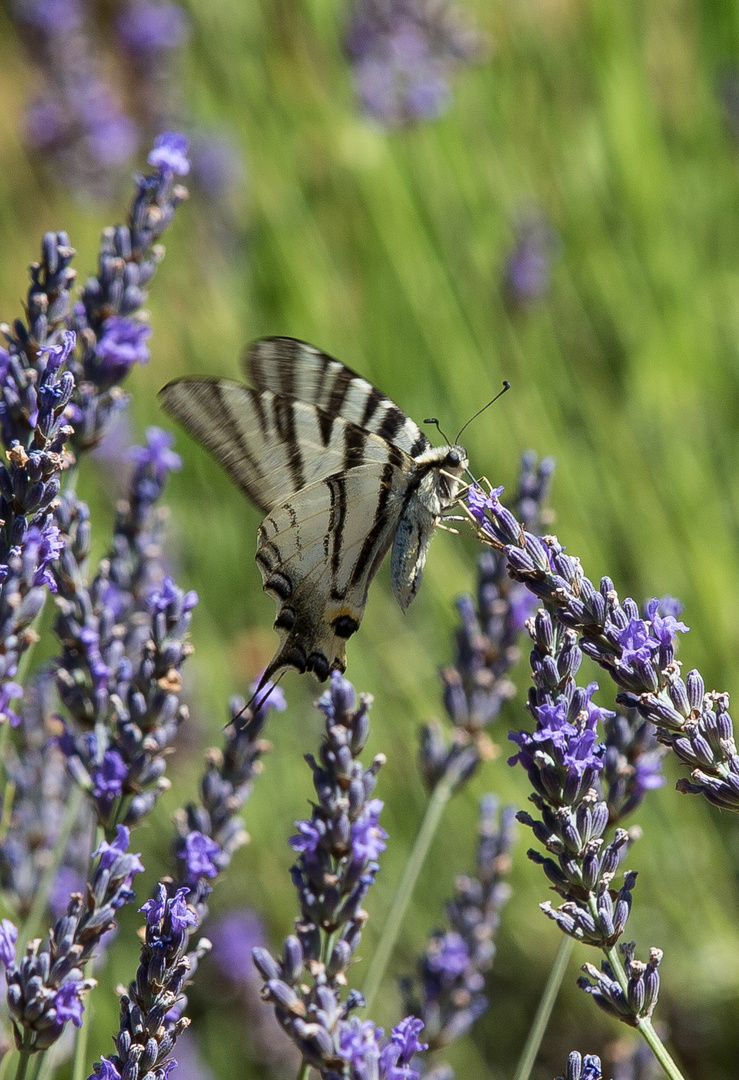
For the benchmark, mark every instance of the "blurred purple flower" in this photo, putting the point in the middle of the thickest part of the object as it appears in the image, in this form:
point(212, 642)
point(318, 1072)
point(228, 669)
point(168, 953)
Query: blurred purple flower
point(156, 454)
point(107, 778)
point(145, 27)
point(528, 268)
point(198, 854)
point(402, 54)
point(9, 691)
point(170, 154)
point(8, 938)
point(233, 937)
point(68, 1002)
point(122, 344)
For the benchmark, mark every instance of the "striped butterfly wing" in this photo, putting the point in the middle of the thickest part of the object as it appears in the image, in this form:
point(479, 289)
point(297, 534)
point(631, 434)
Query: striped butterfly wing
point(294, 369)
point(270, 446)
point(318, 553)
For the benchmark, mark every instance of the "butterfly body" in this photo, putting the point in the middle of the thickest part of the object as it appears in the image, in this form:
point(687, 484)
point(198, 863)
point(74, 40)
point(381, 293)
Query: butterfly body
point(342, 475)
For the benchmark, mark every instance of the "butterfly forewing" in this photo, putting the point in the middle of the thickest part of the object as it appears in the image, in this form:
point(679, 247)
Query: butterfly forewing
point(341, 472)
point(295, 369)
point(270, 446)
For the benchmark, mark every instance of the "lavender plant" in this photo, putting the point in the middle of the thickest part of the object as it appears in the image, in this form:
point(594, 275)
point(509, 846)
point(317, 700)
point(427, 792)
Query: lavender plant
point(565, 761)
point(122, 634)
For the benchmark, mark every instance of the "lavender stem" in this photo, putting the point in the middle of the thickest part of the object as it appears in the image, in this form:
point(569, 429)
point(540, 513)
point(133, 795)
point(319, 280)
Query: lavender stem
point(24, 1057)
point(36, 915)
point(659, 1050)
point(544, 1011)
point(82, 1034)
point(440, 796)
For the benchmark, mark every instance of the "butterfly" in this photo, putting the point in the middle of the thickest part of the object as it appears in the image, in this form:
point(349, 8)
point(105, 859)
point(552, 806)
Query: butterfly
point(342, 475)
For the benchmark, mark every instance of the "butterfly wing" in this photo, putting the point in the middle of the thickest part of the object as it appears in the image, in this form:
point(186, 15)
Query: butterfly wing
point(318, 553)
point(294, 369)
point(270, 445)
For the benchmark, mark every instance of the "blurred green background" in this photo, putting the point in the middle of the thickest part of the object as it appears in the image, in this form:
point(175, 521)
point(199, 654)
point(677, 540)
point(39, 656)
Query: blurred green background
point(388, 249)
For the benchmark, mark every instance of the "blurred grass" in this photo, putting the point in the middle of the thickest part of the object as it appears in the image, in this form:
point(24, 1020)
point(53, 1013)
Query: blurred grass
point(387, 249)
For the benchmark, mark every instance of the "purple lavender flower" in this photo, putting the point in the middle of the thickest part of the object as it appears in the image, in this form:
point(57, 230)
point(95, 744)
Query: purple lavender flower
point(150, 1012)
point(402, 54)
point(45, 989)
point(107, 316)
point(124, 640)
point(199, 853)
point(8, 938)
point(697, 726)
point(107, 779)
point(149, 28)
point(367, 836)
point(105, 1070)
point(111, 853)
point(170, 154)
point(529, 265)
point(400, 1049)
point(358, 1045)
point(68, 1002)
point(224, 788)
point(170, 914)
point(563, 757)
point(122, 344)
point(76, 122)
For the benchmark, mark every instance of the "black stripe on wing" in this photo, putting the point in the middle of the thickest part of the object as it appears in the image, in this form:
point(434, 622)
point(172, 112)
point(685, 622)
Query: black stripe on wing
point(295, 369)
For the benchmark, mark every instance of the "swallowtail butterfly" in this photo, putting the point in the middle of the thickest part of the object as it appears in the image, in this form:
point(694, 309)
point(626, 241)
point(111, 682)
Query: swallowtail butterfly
point(342, 475)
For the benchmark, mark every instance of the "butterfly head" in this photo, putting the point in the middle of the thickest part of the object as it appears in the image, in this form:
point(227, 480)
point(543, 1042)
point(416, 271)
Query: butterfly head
point(453, 465)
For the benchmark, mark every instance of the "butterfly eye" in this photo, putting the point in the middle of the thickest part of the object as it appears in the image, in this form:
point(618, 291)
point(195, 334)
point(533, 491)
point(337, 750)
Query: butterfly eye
point(453, 459)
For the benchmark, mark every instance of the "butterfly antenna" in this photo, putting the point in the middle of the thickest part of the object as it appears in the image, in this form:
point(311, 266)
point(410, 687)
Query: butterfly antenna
point(506, 386)
point(435, 422)
point(251, 707)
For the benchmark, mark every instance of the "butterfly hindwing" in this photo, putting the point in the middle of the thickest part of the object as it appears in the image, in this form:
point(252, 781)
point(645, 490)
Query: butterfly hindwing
point(318, 553)
point(295, 369)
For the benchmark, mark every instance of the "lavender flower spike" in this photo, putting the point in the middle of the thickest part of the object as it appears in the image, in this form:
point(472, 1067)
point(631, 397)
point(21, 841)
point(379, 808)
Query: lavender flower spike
point(336, 850)
point(448, 994)
point(476, 686)
point(148, 1027)
point(46, 987)
point(637, 653)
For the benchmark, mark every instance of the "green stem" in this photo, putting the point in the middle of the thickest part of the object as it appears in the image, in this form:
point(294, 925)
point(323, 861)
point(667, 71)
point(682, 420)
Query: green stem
point(439, 798)
point(543, 1013)
point(644, 1026)
point(24, 1057)
point(31, 926)
point(659, 1050)
point(304, 1071)
point(82, 1036)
